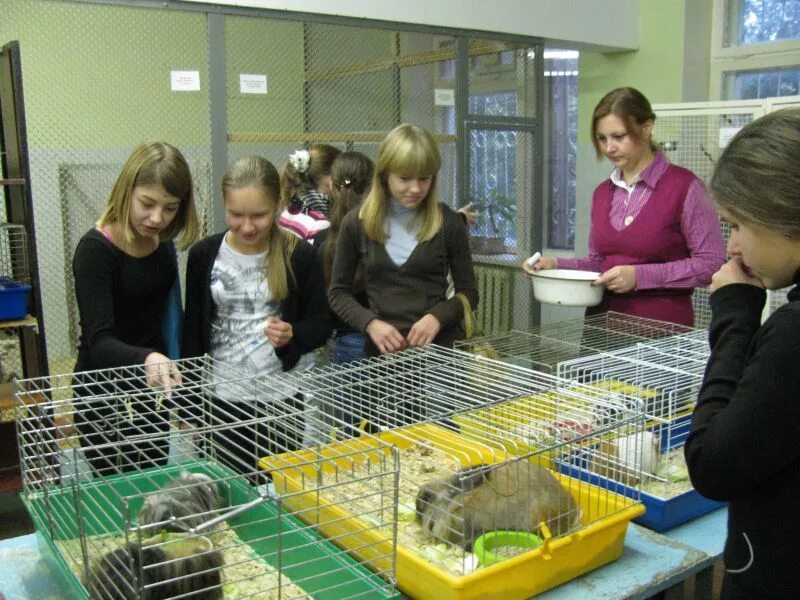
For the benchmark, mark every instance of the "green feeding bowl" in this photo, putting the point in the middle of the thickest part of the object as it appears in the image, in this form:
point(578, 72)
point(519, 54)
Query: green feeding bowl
point(496, 546)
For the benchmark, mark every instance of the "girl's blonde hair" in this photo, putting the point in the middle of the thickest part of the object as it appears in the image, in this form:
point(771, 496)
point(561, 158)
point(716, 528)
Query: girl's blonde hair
point(257, 172)
point(406, 150)
point(154, 163)
point(294, 182)
point(631, 107)
point(757, 177)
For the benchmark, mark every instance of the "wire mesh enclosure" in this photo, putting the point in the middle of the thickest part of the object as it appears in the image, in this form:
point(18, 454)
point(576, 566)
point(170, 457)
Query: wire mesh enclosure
point(15, 275)
point(333, 80)
point(693, 135)
point(485, 447)
point(659, 364)
point(14, 253)
point(160, 495)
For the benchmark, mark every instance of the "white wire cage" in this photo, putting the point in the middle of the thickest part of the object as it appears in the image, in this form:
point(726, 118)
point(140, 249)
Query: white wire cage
point(660, 364)
point(15, 276)
point(14, 264)
point(544, 347)
point(144, 494)
point(489, 447)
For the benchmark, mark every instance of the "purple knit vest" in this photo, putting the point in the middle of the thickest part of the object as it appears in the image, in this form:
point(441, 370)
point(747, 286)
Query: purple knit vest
point(654, 236)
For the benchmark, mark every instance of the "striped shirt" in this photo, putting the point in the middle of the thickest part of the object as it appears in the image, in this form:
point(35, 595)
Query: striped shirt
point(313, 200)
point(699, 225)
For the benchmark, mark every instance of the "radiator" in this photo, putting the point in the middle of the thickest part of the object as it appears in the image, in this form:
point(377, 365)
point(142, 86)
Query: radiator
point(494, 303)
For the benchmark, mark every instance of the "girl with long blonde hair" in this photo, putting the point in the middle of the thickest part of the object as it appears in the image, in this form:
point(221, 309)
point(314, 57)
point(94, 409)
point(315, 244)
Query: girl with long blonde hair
point(406, 242)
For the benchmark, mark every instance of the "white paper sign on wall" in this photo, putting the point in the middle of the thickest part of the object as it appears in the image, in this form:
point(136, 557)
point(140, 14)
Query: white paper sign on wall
point(252, 84)
point(444, 97)
point(726, 135)
point(184, 81)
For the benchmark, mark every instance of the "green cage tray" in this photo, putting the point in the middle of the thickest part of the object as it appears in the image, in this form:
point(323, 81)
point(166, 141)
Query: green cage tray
point(339, 575)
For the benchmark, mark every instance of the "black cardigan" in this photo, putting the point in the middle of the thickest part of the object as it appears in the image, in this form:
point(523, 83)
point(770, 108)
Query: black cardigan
point(743, 447)
point(306, 306)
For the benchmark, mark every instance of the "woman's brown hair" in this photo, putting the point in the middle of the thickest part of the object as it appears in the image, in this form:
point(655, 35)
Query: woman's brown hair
point(631, 107)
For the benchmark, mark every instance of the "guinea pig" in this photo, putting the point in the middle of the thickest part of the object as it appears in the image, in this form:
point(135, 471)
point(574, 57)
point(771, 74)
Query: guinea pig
point(182, 504)
point(120, 573)
point(516, 495)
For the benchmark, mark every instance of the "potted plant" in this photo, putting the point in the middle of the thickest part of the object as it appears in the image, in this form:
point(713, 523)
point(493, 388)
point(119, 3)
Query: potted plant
point(497, 220)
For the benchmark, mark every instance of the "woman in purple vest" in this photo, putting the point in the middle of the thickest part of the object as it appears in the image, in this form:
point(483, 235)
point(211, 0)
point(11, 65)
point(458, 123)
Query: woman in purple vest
point(654, 235)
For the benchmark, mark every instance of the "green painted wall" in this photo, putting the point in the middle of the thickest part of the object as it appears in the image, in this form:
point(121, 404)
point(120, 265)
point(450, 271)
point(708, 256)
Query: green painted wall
point(656, 68)
point(99, 76)
point(259, 46)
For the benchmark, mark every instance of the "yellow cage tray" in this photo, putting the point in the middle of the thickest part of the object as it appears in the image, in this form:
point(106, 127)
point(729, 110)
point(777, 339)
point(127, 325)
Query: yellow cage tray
point(605, 516)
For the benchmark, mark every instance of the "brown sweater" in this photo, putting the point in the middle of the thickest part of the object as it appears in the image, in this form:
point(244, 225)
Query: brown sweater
point(401, 295)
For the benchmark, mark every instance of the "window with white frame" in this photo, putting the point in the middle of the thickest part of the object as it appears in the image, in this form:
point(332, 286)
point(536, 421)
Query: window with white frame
point(756, 49)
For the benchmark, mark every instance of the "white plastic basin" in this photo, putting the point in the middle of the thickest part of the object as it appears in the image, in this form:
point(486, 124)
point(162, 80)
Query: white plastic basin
point(567, 287)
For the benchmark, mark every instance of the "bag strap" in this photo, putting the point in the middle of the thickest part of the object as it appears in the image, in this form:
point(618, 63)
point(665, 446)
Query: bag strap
point(469, 316)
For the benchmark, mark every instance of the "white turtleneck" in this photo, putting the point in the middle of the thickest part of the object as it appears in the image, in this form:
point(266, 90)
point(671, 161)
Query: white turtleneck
point(401, 232)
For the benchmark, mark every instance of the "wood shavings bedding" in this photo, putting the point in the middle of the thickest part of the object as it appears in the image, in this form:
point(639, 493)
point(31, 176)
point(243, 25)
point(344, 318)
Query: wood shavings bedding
point(244, 574)
point(418, 464)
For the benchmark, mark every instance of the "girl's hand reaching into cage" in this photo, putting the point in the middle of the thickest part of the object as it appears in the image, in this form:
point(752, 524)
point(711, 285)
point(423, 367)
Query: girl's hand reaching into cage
point(424, 331)
point(385, 336)
point(161, 372)
point(279, 333)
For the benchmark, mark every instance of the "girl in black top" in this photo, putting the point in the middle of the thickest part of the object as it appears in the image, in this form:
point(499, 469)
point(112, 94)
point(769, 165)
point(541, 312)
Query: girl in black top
point(124, 269)
point(743, 444)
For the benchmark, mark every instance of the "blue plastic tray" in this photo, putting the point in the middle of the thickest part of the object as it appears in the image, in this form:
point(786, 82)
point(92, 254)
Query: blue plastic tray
point(661, 513)
point(13, 299)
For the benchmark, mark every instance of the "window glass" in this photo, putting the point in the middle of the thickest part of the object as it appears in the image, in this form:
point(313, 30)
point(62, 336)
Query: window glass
point(748, 85)
point(759, 21)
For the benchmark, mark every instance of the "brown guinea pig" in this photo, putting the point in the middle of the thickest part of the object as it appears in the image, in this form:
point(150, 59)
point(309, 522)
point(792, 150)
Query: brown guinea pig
point(516, 495)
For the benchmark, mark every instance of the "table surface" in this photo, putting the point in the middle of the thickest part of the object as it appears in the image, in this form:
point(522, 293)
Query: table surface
point(650, 562)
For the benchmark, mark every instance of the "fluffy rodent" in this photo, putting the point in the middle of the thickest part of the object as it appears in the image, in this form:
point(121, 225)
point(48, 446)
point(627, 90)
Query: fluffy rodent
point(193, 569)
point(182, 504)
point(516, 495)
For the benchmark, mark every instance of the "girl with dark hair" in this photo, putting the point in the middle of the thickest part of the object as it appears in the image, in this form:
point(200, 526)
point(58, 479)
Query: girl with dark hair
point(654, 234)
point(742, 448)
point(306, 189)
point(352, 179)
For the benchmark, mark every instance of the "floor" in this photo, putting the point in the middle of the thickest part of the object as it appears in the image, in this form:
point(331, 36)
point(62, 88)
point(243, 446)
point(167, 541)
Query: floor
point(14, 519)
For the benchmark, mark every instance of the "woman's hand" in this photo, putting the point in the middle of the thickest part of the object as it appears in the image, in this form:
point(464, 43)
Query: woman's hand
point(279, 333)
point(619, 280)
point(424, 331)
point(544, 262)
point(733, 271)
point(161, 372)
point(385, 336)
